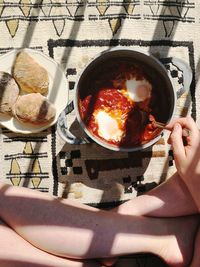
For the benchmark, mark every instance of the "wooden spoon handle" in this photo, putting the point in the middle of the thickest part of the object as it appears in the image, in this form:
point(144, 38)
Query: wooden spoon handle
point(186, 132)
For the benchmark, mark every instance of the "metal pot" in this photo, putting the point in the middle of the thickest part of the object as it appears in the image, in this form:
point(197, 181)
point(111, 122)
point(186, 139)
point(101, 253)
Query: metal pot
point(167, 94)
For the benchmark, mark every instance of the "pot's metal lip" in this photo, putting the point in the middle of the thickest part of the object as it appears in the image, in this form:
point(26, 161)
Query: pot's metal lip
point(98, 140)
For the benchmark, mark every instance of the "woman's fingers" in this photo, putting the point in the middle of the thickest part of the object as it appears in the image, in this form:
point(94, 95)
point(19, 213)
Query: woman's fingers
point(189, 126)
point(176, 140)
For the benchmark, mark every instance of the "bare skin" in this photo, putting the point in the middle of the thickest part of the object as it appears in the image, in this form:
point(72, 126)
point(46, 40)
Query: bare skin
point(17, 252)
point(33, 218)
point(170, 199)
point(195, 261)
point(187, 157)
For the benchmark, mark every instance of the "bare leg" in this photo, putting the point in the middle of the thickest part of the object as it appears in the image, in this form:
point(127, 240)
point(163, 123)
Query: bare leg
point(196, 259)
point(69, 229)
point(17, 252)
point(170, 199)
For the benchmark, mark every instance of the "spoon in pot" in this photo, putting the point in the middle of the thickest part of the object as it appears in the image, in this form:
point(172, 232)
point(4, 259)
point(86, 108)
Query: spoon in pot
point(186, 132)
point(150, 119)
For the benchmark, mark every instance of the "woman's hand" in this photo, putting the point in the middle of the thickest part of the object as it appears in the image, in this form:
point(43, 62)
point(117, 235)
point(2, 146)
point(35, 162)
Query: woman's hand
point(186, 149)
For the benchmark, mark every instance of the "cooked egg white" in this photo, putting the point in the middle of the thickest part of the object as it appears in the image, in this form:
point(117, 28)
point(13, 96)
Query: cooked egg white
point(108, 127)
point(138, 90)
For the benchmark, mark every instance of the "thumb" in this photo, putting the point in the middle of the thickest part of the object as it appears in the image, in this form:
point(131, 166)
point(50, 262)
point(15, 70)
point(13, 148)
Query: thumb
point(177, 143)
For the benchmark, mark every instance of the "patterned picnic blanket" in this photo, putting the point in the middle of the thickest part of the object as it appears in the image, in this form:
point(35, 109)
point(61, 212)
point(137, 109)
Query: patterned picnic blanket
point(72, 32)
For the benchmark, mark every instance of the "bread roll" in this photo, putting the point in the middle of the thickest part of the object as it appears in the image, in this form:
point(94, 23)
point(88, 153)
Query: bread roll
point(34, 108)
point(30, 76)
point(9, 92)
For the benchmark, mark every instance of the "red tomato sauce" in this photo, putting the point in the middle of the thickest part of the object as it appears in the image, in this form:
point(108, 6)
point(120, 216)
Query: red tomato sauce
point(132, 120)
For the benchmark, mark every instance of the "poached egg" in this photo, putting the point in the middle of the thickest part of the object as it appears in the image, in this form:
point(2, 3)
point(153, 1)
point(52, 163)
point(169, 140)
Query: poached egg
point(108, 126)
point(138, 90)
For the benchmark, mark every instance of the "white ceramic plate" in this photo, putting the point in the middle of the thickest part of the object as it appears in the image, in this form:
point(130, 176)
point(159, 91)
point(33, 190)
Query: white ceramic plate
point(57, 94)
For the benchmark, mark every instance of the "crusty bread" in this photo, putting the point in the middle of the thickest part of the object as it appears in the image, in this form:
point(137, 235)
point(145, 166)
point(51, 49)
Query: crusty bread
point(9, 92)
point(34, 108)
point(30, 75)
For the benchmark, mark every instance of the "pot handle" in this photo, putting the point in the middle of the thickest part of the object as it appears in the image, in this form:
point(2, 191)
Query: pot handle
point(64, 131)
point(187, 74)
